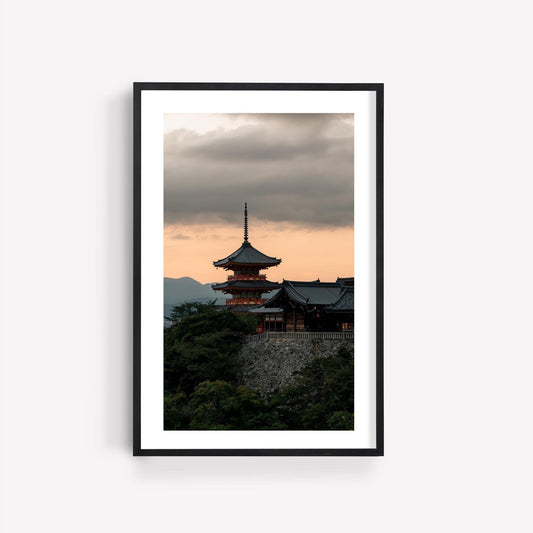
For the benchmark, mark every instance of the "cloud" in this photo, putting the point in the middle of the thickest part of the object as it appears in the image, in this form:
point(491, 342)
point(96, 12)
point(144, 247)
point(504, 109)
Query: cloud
point(180, 237)
point(288, 167)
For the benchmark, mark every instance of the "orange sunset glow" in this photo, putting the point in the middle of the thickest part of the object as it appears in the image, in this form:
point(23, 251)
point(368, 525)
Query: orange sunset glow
point(295, 171)
point(306, 254)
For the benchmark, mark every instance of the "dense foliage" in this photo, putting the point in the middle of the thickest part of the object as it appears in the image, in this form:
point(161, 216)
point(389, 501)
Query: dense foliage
point(320, 396)
point(202, 389)
point(201, 347)
point(179, 312)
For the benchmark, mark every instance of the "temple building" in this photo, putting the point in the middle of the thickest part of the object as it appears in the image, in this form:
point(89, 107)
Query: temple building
point(246, 285)
point(315, 305)
point(295, 305)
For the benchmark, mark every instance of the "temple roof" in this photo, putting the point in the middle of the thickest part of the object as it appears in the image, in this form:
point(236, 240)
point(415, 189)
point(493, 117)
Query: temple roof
point(247, 255)
point(347, 282)
point(345, 301)
point(308, 293)
point(242, 284)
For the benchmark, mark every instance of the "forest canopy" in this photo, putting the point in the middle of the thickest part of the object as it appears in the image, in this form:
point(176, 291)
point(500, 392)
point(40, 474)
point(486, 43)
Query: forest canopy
point(202, 388)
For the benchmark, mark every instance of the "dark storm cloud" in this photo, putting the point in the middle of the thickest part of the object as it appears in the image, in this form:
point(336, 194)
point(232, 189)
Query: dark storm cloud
point(292, 167)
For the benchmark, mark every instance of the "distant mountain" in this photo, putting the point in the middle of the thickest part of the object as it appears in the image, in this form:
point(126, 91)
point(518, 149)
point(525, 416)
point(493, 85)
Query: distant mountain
point(181, 290)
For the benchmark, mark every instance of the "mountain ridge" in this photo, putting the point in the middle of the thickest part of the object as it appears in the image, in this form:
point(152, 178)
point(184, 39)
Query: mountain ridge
point(184, 289)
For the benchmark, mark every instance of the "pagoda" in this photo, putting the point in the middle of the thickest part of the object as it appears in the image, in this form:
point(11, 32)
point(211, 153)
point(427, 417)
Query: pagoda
point(246, 285)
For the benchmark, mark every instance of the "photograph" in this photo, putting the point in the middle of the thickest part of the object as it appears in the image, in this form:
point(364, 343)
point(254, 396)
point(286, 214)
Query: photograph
point(258, 271)
point(258, 280)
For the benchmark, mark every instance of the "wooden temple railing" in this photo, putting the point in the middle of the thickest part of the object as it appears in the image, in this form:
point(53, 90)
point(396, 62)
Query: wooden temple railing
point(247, 277)
point(290, 335)
point(245, 301)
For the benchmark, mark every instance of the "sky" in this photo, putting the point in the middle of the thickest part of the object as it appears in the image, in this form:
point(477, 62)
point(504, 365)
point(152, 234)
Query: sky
point(294, 170)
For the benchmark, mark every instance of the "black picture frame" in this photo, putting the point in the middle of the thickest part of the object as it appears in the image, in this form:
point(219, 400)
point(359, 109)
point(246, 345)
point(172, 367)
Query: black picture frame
point(378, 89)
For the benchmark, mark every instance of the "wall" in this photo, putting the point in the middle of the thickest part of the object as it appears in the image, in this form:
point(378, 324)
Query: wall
point(269, 363)
point(459, 236)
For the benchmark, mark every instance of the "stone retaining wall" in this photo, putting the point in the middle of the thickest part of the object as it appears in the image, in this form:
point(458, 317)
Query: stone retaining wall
point(269, 363)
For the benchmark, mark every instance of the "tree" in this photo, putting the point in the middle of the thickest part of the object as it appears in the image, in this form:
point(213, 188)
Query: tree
point(177, 412)
point(203, 347)
point(220, 405)
point(320, 396)
point(179, 312)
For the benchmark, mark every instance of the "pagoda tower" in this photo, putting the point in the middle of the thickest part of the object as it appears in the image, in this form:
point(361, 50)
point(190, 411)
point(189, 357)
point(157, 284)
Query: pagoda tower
point(246, 284)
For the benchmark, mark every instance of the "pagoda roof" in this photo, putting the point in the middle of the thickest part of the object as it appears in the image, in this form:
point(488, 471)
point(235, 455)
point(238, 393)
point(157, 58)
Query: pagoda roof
point(245, 284)
point(308, 293)
point(247, 255)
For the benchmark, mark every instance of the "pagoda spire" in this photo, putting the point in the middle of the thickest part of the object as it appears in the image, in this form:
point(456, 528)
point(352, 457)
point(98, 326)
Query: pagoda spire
point(246, 285)
point(245, 221)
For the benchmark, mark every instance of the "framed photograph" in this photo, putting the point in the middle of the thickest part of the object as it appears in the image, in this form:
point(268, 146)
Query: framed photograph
point(258, 269)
